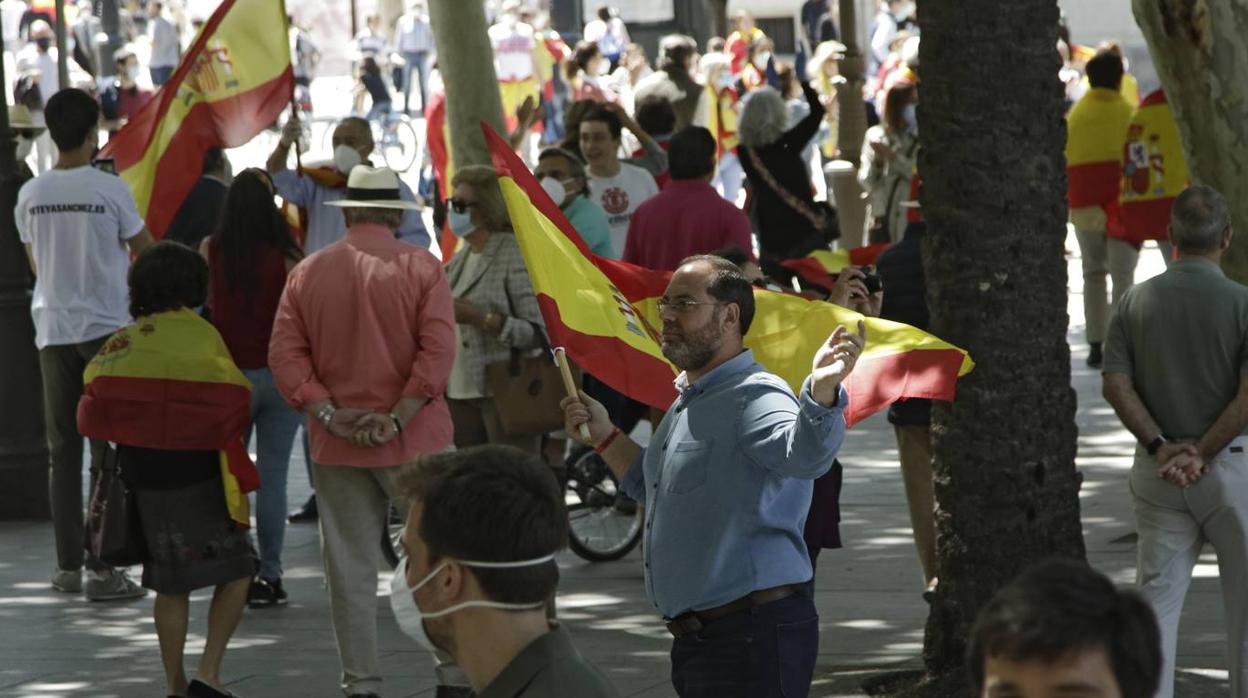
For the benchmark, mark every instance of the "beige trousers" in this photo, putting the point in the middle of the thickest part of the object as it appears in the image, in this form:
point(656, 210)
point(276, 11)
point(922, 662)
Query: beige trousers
point(915, 446)
point(1174, 525)
point(1101, 256)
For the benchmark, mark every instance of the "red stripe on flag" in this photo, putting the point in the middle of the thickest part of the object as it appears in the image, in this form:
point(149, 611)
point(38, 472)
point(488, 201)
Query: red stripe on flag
point(1147, 219)
point(862, 256)
point(811, 270)
point(1093, 184)
point(878, 382)
point(145, 412)
point(633, 373)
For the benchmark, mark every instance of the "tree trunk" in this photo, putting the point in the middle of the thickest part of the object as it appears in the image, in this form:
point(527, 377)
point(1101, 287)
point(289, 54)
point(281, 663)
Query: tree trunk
point(466, 61)
point(718, 10)
point(994, 197)
point(1198, 48)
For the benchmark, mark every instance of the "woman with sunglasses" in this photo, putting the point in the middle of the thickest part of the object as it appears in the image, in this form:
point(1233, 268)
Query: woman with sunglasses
point(495, 308)
point(248, 258)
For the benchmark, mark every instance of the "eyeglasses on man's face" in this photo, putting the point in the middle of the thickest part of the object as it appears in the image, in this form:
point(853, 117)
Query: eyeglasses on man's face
point(681, 306)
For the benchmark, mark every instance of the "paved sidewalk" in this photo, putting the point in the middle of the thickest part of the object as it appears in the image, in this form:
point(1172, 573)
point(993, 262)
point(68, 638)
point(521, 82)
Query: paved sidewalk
point(872, 615)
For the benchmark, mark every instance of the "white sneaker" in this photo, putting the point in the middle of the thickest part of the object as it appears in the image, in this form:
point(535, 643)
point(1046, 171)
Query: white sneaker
point(113, 585)
point(68, 581)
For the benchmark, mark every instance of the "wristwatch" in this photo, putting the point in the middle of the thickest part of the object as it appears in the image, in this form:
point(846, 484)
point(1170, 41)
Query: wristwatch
point(325, 415)
point(1155, 445)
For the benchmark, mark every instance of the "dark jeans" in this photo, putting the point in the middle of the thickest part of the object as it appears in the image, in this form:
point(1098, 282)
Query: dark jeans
point(416, 70)
point(160, 75)
point(768, 651)
point(62, 367)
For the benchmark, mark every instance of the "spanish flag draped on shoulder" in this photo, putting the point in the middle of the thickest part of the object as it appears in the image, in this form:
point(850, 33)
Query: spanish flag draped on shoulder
point(168, 382)
point(233, 81)
point(605, 313)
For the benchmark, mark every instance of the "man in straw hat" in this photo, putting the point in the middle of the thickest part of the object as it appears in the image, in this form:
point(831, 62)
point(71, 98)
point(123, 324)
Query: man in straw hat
point(363, 343)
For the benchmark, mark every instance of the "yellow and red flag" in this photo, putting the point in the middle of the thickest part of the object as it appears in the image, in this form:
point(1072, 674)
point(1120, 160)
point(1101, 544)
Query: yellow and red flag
point(233, 81)
point(604, 312)
point(168, 382)
point(1096, 128)
point(1154, 170)
point(821, 266)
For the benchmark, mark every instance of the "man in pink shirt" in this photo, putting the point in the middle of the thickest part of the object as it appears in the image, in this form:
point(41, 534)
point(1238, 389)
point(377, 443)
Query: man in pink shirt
point(688, 217)
point(363, 342)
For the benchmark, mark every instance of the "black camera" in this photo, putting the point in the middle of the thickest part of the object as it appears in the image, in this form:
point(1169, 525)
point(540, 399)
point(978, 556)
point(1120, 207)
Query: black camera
point(871, 279)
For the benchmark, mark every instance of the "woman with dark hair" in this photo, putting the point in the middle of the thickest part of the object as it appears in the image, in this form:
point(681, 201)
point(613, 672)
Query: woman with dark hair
point(888, 162)
point(586, 70)
point(165, 390)
point(248, 258)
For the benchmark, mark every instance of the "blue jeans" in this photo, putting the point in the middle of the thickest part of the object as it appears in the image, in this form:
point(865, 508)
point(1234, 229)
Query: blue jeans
point(768, 651)
point(160, 75)
point(416, 68)
point(275, 423)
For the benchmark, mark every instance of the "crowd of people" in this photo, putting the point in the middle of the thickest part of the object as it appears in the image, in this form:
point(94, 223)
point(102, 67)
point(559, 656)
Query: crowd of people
point(329, 313)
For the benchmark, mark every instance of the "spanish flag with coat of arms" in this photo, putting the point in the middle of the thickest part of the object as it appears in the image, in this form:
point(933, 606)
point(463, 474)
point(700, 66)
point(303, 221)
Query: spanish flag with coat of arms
point(605, 313)
point(233, 82)
point(1154, 171)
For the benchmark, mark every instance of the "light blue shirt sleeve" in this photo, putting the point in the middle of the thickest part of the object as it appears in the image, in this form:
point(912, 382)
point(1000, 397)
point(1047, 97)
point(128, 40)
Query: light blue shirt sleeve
point(634, 482)
point(300, 191)
point(591, 223)
point(412, 230)
point(793, 437)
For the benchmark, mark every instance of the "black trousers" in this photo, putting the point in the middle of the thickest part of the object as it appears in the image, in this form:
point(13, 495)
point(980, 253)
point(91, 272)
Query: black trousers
point(768, 651)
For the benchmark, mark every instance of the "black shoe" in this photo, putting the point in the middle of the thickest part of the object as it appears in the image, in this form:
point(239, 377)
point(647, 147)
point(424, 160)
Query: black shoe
point(306, 514)
point(1095, 357)
point(266, 593)
point(363, 695)
point(199, 689)
point(453, 692)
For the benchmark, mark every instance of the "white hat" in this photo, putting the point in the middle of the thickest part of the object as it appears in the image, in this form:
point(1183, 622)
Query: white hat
point(372, 187)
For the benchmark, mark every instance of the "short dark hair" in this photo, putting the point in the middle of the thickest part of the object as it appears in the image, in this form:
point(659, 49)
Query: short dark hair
point(691, 153)
point(71, 116)
point(492, 504)
point(167, 276)
point(1105, 69)
point(656, 115)
point(728, 285)
point(1059, 606)
point(608, 117)
point(675, 50)
point(214, 160)
point(604, 12)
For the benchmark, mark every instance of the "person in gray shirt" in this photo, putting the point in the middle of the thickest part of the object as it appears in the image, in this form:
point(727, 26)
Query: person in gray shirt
point(483, 527)
point(1175, 359)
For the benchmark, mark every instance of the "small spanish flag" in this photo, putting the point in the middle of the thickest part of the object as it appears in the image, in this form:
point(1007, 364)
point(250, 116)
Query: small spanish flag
point(821, 266)
point(1154, 170)
point(605, 313)
point(233, 82)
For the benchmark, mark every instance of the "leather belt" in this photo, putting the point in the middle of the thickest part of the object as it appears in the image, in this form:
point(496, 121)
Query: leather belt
point(693, 621)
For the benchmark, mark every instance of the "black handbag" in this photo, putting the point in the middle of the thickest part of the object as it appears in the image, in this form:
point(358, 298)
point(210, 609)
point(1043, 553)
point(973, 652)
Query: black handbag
point(114, 534)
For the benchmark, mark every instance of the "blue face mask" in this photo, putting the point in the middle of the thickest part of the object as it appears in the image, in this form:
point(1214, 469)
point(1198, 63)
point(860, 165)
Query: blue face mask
point(461, 223)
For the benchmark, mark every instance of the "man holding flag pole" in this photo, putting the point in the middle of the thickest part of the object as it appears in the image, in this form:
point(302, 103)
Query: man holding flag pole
point(727, 483)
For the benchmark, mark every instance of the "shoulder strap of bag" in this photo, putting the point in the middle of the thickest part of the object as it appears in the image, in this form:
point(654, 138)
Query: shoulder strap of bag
point(816, 219)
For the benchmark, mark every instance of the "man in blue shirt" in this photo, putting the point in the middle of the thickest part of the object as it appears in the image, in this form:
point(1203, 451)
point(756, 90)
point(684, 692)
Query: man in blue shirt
point(727, 482)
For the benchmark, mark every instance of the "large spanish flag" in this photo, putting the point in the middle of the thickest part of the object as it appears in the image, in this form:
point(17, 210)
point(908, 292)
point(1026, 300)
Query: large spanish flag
point(1096, 128)
point(1154, 170)
point(605, 313)
point(233, 81)
point(821, 266)
point(168, 382)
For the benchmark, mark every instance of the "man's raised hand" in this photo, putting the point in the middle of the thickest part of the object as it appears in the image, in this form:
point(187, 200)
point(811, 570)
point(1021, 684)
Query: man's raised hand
point(834, 361)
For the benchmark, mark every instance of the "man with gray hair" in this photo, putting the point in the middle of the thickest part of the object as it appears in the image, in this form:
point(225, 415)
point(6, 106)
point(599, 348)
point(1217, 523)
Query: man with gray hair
point(1175, 360)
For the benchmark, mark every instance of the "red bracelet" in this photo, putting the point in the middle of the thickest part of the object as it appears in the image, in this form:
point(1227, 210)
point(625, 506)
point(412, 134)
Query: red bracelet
point(606, 443)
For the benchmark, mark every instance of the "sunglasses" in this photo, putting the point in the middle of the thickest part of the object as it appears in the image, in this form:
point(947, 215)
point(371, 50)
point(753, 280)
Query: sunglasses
point(459, 205)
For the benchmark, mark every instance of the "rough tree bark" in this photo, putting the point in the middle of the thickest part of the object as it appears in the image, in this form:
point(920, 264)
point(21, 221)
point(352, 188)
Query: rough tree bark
point(466, 61)
point(1200, 50)
point(994, 196)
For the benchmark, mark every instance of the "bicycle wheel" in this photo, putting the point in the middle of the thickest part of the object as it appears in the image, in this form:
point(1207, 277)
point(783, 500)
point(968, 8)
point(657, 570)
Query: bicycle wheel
point(603, 523)
point(399, 144)
point(391, 546)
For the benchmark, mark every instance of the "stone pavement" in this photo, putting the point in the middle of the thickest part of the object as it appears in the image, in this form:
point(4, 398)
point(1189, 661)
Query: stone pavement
point(868, 594)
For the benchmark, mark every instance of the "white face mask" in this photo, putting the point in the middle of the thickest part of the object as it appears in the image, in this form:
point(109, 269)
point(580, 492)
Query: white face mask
point(604, 66)
point(132, 72)
point(346, 158)
point(24, 146)
point(556, 189)
point(411, 618)
point(760, 60)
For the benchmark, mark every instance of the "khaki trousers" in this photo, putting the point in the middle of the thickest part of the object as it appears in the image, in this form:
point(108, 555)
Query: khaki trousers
point(1103, 256)
point(353, 504)
point(914, 443)
point(1173, 525)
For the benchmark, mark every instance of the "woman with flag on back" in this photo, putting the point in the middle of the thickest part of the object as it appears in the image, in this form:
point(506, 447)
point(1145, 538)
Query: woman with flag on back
point(167, 392)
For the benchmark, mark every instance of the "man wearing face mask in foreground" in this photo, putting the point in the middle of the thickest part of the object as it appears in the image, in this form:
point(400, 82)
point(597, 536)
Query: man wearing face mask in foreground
point(482, 529)
point(312, 188)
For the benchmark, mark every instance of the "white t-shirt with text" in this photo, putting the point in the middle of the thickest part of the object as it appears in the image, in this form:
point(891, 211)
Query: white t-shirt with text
point(620, 196)
point(77, 223)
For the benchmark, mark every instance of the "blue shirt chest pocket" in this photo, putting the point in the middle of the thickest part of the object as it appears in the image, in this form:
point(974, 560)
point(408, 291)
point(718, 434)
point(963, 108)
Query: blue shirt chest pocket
point(685, 466)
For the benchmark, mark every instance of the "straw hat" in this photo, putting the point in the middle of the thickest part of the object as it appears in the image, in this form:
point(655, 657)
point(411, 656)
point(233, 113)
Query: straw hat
point(20, 120)
point(372, 187)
